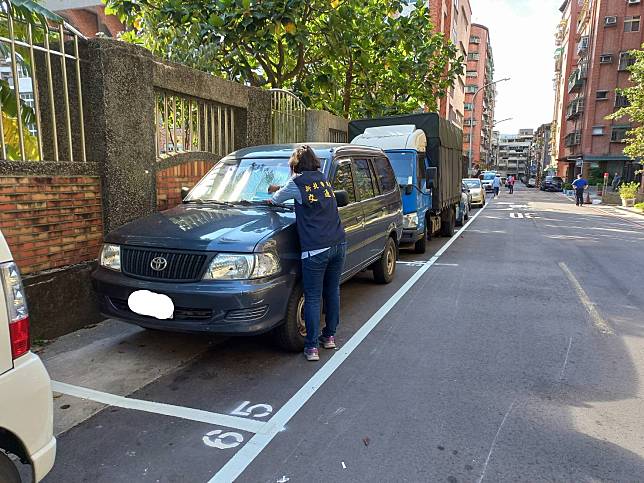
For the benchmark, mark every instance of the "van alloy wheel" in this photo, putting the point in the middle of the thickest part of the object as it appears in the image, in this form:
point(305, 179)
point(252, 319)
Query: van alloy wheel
point(301, 323)
point(385, 267)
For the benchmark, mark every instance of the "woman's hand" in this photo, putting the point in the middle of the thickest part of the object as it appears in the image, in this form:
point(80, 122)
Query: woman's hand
point(272, 188)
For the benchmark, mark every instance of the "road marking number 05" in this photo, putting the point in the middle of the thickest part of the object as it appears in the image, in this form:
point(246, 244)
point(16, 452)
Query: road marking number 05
point(522, 215)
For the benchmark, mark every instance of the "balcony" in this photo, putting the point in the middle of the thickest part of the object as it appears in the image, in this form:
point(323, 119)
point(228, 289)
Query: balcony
point(575, 108)
point(576, 80)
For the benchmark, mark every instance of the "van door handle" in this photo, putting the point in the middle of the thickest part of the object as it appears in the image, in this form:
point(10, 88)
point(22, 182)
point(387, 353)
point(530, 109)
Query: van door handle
point(359, 218)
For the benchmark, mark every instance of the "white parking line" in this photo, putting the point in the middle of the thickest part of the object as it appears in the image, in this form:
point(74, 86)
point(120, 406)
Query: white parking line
point(250, 425)
point(247, 454)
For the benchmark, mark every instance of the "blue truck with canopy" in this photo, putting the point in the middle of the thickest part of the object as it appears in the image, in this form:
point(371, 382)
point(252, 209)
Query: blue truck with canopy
point(425, 151)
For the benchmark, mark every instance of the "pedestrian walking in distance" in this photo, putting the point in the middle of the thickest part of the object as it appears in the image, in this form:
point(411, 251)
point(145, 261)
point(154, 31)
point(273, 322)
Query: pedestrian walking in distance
point(616, 180)
point(322, 241)
point(511, 184)
point(496, 185)
point(580, 185)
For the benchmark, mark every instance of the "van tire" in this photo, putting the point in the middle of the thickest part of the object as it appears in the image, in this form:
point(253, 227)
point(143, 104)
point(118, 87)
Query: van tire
point(385, 267)
point(421, 245)
point(8, 471)
point(448, 222)
point(287, 335)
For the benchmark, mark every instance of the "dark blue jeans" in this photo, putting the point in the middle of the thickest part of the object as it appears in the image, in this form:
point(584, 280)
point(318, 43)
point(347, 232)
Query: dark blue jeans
point(321, 279)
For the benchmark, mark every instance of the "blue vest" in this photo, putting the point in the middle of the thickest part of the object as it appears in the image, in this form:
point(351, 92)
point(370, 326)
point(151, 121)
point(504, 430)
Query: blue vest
point(318, 221)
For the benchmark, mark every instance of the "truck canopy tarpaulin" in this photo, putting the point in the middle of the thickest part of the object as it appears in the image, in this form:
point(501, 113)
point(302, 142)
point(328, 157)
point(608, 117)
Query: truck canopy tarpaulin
point(444, 150)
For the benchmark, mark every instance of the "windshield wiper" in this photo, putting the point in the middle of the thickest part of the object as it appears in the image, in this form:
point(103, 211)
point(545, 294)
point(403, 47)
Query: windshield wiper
point(201, 201)
point(264, 203)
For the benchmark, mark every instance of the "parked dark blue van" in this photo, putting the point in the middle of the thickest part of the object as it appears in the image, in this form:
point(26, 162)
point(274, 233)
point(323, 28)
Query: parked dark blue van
point(226, 262)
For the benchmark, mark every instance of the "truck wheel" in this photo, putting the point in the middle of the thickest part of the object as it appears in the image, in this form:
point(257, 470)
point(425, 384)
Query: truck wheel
point(8, 471)
point(421, 245)
point(385, 267)
point(291, 334)
point(448, 223)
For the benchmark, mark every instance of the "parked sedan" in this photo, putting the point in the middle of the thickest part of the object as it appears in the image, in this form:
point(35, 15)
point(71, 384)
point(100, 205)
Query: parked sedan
point(226, 262)
point(477, 191)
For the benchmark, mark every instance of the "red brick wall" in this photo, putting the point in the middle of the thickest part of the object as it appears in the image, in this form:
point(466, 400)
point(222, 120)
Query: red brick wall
point(51, 221)
point(170, 181)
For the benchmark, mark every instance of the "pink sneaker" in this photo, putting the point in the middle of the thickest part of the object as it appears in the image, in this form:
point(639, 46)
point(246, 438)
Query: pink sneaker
point(312, 354)
point(328, 342)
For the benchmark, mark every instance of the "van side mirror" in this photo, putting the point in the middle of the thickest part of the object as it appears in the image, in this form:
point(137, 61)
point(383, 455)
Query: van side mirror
point(341, 198)
point(184, 192)
point(430, 180)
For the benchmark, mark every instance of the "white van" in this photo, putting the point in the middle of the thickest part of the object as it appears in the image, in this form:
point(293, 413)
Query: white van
point(26, 407)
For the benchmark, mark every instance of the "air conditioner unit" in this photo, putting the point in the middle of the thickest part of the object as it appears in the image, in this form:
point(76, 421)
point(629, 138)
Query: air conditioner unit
point(606, 59)
point(612, 20)
point(633, 2)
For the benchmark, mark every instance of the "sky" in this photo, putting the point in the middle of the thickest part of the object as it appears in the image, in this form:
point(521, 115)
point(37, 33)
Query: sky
point(522, 37)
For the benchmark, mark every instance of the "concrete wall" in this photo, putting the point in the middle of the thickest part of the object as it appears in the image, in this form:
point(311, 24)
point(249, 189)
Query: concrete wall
point(319, 125)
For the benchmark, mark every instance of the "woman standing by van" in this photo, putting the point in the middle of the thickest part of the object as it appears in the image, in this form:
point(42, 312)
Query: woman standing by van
point(322, 241)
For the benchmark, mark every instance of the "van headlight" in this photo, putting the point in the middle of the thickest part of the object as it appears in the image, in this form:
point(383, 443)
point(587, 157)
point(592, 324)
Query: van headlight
point(111, 257)
point(234, 266)
point(410, 221)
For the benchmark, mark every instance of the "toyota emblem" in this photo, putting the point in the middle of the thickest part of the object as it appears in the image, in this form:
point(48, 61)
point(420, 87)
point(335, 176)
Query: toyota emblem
point(158, 264)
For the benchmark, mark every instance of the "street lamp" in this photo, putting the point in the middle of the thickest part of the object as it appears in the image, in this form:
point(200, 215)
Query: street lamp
point(469, 158)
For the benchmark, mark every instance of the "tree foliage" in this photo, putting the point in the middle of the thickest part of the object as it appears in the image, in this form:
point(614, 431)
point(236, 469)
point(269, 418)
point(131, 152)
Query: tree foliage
point(635, 110)
point(354, 58)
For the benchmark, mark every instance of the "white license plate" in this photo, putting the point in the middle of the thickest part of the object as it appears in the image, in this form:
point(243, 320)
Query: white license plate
point(151, 304)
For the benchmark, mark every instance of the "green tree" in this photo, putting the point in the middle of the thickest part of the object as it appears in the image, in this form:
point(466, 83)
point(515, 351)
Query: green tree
point(635, 110)
point(354, 58)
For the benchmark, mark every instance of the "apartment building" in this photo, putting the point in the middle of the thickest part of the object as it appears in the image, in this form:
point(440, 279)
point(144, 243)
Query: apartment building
point(479, 99)
point(593, 41)
point(453, 19)
point(515, 153)
point(540, 160)
point(87, 16)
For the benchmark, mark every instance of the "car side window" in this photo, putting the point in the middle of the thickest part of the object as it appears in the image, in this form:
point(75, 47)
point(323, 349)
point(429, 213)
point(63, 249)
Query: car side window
point(385, 174)
point(364, 183)
point(343, 180)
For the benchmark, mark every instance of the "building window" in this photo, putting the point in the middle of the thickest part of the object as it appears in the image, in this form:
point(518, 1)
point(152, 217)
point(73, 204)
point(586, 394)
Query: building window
point(471, 73)
point(470, 122)
point(475, 39)
point(621, 100)
point(610, 21)
point(598, 130)
point(606, 59)
point(473, 56)
point(632, 24)
point(468, 106)
point(601, 95)
point(618, 134)
point(626, 59)
point(471, 89)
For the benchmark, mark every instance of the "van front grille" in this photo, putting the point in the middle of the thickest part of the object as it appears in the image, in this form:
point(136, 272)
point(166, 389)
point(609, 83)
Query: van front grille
point(178, 266)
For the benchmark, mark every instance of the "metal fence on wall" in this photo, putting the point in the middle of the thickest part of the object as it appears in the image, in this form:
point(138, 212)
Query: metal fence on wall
point(31, 36)
point(288, 117)
point(185, 124)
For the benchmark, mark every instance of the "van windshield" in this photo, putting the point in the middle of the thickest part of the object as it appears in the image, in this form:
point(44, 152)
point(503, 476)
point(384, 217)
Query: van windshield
point(233, 180)
point(403, 164)
point(489, 175)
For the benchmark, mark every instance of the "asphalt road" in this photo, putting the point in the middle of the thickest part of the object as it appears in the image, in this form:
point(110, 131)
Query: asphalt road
point(517, 354)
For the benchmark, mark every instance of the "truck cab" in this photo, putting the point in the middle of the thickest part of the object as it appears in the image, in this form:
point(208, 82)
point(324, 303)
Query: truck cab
point(406, 148)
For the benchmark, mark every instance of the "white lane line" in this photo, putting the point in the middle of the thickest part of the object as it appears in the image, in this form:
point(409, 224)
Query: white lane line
point(496, 436)
point(198, 415)
point(598, 321)
point(563, 369)
point(247, 454)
